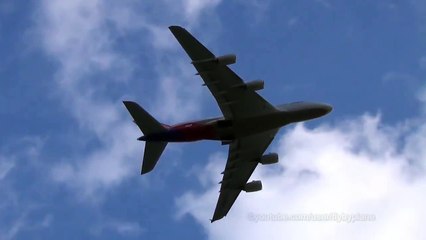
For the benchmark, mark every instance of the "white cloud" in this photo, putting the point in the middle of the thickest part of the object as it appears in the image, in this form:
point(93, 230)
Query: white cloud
point(123, 228)
point(5, 166)
point(396, 76)
point(15, 159)
point(179, 99)
point(421, 96)
point(127, 228)
point(14, 229)
point(76, 34)
point(360, 166)
point(193, 8)
point(22, 223)
point(105, 167)
point(82, 36)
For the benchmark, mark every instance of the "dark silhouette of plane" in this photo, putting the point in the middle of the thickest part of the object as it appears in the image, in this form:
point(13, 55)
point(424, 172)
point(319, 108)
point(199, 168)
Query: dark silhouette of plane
point(248, 125)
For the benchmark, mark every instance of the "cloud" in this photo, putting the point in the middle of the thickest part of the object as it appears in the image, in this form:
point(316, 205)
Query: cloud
point(178, 99)
point(22, 223)
point(83, 37)
point(122, 228)
point(77, 35)
point(16, 210)
point(396, 76)
point(5, 166)
point(193, 8)
point(360, 166)
point(8, 228)
point(104, 168)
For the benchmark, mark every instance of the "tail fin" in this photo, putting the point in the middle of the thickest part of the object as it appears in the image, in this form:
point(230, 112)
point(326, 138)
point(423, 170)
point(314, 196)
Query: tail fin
point(147, 124)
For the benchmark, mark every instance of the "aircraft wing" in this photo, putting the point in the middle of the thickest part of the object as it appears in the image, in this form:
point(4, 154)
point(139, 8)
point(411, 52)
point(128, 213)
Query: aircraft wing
point(243, 157)
point(234, 100)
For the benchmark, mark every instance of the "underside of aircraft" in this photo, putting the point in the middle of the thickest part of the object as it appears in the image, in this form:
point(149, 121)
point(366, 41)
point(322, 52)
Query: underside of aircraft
point(248, 125)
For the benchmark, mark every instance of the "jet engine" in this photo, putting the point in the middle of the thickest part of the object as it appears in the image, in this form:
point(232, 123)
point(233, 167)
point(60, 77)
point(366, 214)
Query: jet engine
point(254, 85)
point(227, 59)
point(253, 186)
point(270, 158)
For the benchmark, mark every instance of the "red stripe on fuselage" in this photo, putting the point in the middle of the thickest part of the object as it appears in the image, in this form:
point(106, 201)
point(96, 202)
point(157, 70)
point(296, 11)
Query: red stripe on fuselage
point(194, 131)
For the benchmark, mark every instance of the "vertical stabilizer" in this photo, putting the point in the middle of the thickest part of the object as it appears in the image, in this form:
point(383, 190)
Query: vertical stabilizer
point(147, 123)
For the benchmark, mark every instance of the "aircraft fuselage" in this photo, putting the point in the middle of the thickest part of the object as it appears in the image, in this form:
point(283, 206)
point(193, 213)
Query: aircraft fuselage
point(226, 130)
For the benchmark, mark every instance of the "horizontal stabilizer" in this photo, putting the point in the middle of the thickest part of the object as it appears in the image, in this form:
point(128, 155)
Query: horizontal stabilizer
point(153, 151)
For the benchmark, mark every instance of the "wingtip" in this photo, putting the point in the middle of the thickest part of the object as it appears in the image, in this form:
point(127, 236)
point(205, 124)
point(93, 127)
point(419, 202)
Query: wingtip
point(175, 27)
point(145, 171)
point(126, 102)
point(129, 105)
point(215, 218)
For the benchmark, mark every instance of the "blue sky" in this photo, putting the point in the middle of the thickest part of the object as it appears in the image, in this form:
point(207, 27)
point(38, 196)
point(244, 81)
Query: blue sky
point(70, 162)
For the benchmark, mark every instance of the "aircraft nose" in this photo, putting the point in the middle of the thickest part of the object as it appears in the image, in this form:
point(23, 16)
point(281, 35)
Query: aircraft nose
point(323, 109)
point(327, 108)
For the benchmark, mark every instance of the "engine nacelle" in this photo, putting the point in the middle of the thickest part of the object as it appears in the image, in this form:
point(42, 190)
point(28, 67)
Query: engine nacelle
point(270, 158)
point(253, 186)
point(227, 59)
point(254, 85)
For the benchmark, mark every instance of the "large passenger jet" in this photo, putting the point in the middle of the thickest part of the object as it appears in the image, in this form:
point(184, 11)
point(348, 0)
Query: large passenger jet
point(248, 125)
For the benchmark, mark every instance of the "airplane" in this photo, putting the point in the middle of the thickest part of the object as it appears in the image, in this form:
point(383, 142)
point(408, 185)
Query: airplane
point(248, 125)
